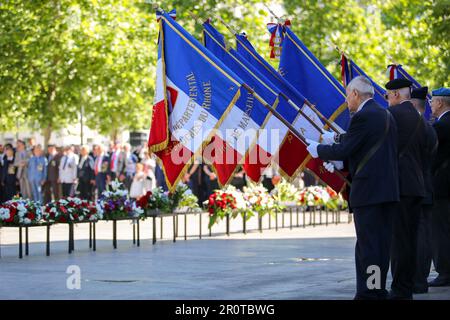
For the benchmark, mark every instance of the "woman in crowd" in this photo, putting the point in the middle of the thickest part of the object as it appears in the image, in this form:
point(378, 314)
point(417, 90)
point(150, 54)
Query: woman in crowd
point(9, 179)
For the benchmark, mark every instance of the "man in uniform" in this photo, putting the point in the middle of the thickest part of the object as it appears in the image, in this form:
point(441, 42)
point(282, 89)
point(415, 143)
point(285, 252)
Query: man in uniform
point(370, 148)
point(412, 145)
point(423, 266)
point(440, 107)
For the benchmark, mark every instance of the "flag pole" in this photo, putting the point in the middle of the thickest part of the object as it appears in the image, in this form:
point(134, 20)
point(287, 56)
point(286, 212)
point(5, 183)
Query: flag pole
point(291, 103)
point(308, 103)
point(273, 13)
point(287, 124)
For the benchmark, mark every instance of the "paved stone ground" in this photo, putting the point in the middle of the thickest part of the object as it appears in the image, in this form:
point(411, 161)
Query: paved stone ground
point(302, 263)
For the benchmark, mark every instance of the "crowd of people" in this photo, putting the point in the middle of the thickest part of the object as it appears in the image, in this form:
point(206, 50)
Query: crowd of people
point(27, 171)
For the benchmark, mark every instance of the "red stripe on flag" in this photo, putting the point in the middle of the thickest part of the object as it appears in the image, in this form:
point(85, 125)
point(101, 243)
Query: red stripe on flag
point(331, 179)
point(392, 73)
point(343, 61)
point(224, 159)
point(158, 128)
point(256, 161)
point(291, 155)
point(174, 159)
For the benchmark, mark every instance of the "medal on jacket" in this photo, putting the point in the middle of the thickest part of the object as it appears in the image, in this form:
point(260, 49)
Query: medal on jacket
point(11, 169)
point(53, 163)
point(40, 167)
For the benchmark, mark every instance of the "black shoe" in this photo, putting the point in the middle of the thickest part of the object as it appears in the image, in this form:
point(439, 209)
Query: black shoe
point(440, 282)
point(394, 296)
point(420, 290)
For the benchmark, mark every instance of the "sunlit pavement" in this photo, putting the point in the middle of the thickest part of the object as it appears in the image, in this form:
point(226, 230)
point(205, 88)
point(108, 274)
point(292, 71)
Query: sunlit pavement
point(302, 263)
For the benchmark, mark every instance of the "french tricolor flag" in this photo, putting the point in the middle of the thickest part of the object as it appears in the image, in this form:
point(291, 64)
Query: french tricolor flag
point(194, 93)
point(249, 113)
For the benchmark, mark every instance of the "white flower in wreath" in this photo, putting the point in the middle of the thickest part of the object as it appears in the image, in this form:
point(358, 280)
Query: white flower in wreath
point(26, 221)
point(22, 210)
point(115, 185)
point(4, 214)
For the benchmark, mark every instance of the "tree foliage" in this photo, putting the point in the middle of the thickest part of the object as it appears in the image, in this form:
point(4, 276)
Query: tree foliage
point(60, 56)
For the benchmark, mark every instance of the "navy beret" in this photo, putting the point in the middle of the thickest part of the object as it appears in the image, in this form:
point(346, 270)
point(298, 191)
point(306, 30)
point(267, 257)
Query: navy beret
point(419, 93)
point(398, 84)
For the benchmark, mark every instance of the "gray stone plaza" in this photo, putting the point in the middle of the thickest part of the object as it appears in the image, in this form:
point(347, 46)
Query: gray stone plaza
point(298, 263)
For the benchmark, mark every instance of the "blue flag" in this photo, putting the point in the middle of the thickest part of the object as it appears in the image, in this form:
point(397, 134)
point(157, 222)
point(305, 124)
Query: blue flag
point(396, 71)
point(305, 72)
point(259, 156)
point(289, 165)
point(351, 70)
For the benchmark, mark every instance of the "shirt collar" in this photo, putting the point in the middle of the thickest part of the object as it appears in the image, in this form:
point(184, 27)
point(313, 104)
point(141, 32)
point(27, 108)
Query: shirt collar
point(443, 114)
point(362, 104)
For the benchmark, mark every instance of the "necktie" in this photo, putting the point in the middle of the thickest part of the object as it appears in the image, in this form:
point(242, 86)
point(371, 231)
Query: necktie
point(97, 160)
point(113, 161)
point(65, 162)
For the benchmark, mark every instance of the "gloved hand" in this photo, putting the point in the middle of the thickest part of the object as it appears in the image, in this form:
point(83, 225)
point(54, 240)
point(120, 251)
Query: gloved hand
point(328, 166)
point(332, 165)
point(338, 164)
point(328, 137)
point(312, 148)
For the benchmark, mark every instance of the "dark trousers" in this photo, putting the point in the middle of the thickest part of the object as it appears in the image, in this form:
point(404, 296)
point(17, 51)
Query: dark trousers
point(373, 226)
point(51, 188)
point(423, 264)
point(85, 190)
point(67, 190)
point(404, 246)
point(100, 182)
point(440, 224)
point(9, 191)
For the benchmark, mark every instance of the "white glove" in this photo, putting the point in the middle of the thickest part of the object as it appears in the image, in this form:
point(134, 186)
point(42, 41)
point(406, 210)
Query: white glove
point(327, 137)
point(312, 148)
point(330, 166)
point(338, 164)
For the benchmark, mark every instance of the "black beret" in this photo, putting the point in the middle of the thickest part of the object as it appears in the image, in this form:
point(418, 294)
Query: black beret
point(398, 84)
point(419, 93)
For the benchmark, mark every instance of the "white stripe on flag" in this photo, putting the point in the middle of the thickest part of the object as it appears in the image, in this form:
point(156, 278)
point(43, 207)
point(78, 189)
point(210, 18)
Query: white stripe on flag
point(189, 123)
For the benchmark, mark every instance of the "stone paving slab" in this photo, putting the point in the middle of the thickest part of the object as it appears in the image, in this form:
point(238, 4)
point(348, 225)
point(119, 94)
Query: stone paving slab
point(310, 263)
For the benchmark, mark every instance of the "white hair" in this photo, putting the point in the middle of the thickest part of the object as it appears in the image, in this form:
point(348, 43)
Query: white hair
point(362, 85)
point(405, 92)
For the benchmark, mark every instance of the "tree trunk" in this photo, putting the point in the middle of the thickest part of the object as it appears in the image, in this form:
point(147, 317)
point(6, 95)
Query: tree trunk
point(47, 133)
point(114, 135)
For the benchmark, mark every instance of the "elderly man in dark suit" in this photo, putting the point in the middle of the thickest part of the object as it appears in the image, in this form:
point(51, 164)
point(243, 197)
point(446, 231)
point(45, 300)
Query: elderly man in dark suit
point(101, 170)
point(52, 187)
point(370, 149)
point(418, 99)
point(440, 106)
point(85, 174)
point(412, 146)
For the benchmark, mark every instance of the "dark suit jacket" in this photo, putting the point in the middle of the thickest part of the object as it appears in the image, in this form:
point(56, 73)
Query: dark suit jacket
point(441, 165)
point(105, 170)
point(432, 144)
point(85, 173)
point(411, 163)
point(53, 167)
point(377, 182)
